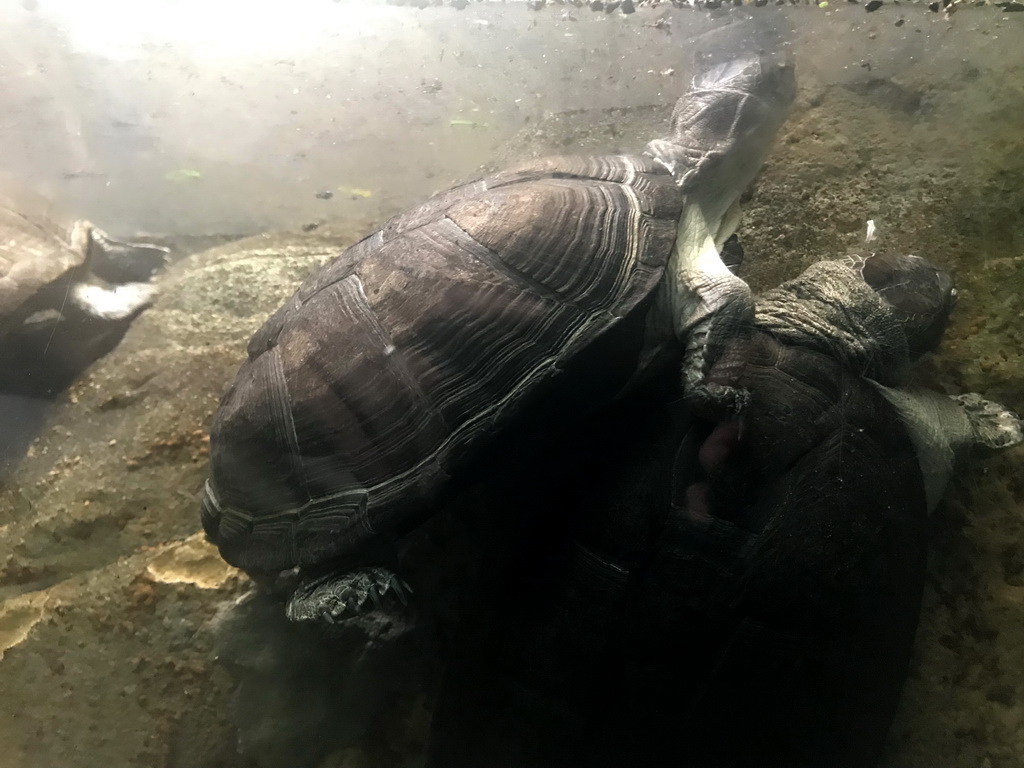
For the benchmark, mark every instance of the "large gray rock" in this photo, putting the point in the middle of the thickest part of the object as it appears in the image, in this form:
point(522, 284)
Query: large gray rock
point(107, 592)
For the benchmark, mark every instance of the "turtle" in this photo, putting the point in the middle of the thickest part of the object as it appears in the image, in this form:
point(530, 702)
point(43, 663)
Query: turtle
point(739, 591)
point(67, 293)
point(517, 301)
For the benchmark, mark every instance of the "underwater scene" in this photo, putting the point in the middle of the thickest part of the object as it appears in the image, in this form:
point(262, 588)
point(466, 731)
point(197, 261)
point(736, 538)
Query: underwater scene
point(478, 384)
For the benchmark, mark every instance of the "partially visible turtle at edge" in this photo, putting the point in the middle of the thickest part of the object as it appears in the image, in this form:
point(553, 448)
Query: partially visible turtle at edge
point(517, 302)
point(736, 593)
point(67, 295)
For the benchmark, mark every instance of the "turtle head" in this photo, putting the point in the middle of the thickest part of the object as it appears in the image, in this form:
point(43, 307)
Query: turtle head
point(120, 262)
point(921, 294)
point(724, 126)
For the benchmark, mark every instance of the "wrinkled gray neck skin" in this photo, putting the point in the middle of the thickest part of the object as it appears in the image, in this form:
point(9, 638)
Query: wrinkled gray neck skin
point(722, 129)
point(829, 308)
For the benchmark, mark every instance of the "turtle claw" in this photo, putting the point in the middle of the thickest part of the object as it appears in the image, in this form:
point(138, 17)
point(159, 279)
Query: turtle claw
point(714, 329)
point(705, 377)
point(402, 591)
point(335, 597)
point(718, 398)
point(374, 594)
point(993, 425)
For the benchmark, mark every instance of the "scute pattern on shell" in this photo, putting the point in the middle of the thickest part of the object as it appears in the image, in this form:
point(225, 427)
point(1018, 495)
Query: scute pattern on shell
point(33, 251)
point(367, 390)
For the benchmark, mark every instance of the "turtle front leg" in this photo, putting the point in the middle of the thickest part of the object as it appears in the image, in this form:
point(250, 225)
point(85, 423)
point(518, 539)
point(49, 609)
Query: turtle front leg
point(338, 596)
point(945, 429)
point(992, 425)
point(712, 328)
point(710, 307)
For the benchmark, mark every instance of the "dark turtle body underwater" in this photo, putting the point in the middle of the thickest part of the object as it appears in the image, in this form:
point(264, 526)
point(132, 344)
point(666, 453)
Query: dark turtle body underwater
point(67, 294)
point(731, 593)
point(526, 297)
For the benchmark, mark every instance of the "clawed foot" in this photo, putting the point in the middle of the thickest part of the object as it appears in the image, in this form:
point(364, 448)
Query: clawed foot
point(717, 399)
point(715, 357)
point(336, 597)
point(709, 376)
point(994, 426)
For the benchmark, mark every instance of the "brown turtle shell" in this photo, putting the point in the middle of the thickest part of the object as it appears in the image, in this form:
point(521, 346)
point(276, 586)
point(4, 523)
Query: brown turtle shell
point(389, 369)
point(34, 252)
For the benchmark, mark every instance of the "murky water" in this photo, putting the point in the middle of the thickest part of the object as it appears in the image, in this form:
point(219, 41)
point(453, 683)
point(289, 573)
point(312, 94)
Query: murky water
point(257, 142)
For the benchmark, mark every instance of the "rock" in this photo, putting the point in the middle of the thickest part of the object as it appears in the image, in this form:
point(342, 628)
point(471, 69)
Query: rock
point(125, 453)
point(107, 592)
point(299, 696)
point(111, 667)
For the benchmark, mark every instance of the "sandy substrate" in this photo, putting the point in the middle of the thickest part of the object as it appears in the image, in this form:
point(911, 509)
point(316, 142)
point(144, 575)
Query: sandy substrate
point(109, 598)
